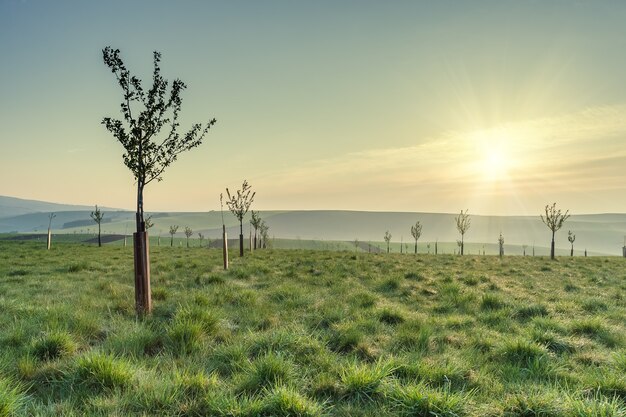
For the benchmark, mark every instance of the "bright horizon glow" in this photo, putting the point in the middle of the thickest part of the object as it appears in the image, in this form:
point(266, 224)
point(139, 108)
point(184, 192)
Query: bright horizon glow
point(408, 106)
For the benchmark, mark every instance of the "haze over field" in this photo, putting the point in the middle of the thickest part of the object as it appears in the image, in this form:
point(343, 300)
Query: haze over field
point(496, 106)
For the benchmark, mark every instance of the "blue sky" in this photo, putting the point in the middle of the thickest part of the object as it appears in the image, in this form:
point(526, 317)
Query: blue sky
point(496, 106)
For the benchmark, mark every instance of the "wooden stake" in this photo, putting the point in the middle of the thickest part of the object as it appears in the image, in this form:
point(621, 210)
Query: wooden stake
point(225, 247)
point(143, 298)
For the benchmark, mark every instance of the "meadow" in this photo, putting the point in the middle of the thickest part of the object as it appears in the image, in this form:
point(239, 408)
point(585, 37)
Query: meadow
point(310, 333)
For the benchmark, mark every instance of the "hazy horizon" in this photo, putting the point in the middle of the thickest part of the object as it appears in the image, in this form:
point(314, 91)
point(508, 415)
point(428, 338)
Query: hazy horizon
point(499, 107)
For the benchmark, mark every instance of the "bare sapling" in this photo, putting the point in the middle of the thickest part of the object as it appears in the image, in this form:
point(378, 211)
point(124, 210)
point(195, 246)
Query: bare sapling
point(255, 222)
point(239, 204)
point(571, 238)
point(173, 230)
point(387, 239)
point(188, 233)
point(463, 223)
point(145, 113)
point(97, 215)
point(501, 245)
point(554, 219)
point(416, 232)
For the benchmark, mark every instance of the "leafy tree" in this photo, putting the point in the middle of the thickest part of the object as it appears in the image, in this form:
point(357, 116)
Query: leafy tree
point(255, 222)
point(188, 233)
point(387, 239)
point(239, 204)
point(501, 245)
point(571, 237)
point(173, 230)
point(416, 232)
point(145, 113)
point(554, 219)
point(463, 223)
point(97, 217)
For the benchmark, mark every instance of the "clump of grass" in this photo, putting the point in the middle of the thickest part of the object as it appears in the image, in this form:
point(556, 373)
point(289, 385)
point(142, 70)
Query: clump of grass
point(268, 371)
point(527, 312)
point(412, 336)
point(534, 404)
point(391, 317)
point(363, 299)
point(159, 293)
point(390, 285)
point(54, 345)
point(419, 400)
point(12, 398)
point(207, 320)
point(521, 352)
point(491, 302)
point(363, 383)
point(77, 267)
point(185, 336)
point(553, 342)
point(100, 371)
point(283, 401)
point(414, 276)
point(593, 305)
point(345, 339)
point(195, 383)
point(595, 329)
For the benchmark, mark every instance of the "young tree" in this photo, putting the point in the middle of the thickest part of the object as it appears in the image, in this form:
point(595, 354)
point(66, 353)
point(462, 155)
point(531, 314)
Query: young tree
point(463, 222)
point(501, 245)
point(571, 237)
point(149, 222)
point(387, 239)
point(97, 217)
point(554, 219)
point(173, 230)
point(428, 247)
point(188, 233)
point(416, 232)
point(356, 245)
point(264, 229)
point(255, 222)
point(224, 235)
point(145, 113)
point(49, 241)
point(239, 204)
point(200, 238)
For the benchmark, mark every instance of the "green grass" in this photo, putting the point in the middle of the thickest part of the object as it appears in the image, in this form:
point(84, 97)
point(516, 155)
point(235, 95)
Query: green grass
point(310, 333)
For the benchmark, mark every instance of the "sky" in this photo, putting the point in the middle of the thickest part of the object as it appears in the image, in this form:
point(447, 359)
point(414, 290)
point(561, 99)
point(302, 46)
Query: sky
point(499, 107)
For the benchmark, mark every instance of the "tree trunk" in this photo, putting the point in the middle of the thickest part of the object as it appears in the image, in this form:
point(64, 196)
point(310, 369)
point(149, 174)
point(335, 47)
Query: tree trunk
point(462, 243)
point(99, 239)
point(552, 247)
point(255, 238)
point(49, 241)
point(571, 253)
point(143, 299)
point(387, 247)
point(225, 246)
point(240, 237)
point(172, 241)
point(416, 246)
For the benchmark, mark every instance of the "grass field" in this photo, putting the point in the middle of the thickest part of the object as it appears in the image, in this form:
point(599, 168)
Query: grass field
point(306, 333)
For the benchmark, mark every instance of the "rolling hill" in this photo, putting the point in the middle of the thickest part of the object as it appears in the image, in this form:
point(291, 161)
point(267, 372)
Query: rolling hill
point(598, 233)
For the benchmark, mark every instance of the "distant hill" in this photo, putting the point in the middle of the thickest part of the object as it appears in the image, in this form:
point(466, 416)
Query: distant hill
point(598, 233)
point(11, 206)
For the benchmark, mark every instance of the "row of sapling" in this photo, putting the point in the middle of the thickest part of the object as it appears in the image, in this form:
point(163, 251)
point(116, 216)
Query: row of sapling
point(553, 218)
